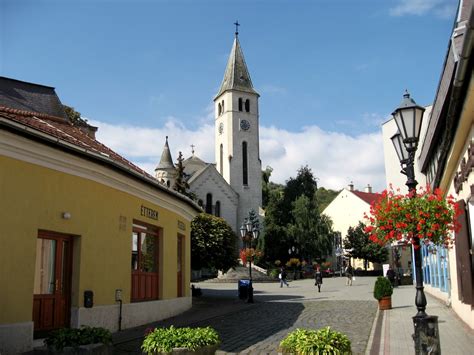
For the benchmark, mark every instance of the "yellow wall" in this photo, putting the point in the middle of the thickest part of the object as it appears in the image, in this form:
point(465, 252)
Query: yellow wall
point(33, 198)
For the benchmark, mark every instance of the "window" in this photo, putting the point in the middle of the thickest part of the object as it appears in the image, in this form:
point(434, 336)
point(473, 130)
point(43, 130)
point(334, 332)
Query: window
point(247, 105)
point(145, 266)
point(244, 164)
point(219, 109)
point(240, 104)
point(221, 159)
point(223, 106)
point(209, 203)
point(218, 209)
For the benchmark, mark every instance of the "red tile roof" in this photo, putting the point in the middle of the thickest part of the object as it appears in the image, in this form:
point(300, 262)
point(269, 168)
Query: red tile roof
point(368, 197)
point(60, 131)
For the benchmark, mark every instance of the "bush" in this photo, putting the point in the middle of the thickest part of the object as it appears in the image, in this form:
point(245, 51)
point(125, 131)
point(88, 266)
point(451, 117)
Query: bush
point(274, 273)
point(165, 339)
point(74, 337)
point(382, 288)
point(322, 341)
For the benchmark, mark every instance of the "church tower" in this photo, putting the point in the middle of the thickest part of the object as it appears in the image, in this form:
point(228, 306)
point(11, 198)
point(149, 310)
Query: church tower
point(237, 149)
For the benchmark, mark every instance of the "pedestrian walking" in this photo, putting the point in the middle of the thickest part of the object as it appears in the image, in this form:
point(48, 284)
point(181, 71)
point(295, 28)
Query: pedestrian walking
point(318, 278)
point(349, 275)
point(282, 277)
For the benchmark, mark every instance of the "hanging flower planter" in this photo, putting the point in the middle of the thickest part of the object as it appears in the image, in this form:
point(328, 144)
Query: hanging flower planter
point(426, 215)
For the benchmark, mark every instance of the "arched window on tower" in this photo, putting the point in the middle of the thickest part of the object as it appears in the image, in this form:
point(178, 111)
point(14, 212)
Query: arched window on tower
point(218, 209)
point(221, 159)
point(209, 203)
point(223, 106)
point(240, 104)
point(247, 105)
point(245, 169)
point(219, 109)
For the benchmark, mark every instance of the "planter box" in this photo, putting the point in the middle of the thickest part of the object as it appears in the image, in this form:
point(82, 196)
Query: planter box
point(96, 349)
point(206, 350)
point(385, 303)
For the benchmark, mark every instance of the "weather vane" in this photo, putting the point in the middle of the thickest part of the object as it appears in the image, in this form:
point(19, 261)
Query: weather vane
point(237, 24)
point(192, 148)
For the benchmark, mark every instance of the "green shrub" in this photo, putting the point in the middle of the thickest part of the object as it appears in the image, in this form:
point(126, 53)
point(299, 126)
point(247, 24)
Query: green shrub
point(323, 341)
point(74, 337)
point(382, 288)
point(274, 273)
point(165, 339)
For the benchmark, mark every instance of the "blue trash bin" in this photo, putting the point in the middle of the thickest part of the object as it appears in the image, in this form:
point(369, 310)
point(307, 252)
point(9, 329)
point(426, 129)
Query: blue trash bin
point(244, 289)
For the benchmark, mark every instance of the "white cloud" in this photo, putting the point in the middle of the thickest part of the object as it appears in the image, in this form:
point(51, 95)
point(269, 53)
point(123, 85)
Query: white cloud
point(335, 158)
point(441, 8)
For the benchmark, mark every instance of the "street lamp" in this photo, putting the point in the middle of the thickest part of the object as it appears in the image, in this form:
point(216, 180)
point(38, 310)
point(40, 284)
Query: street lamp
point(249, 232)
point(293, 250)
point(408, 117)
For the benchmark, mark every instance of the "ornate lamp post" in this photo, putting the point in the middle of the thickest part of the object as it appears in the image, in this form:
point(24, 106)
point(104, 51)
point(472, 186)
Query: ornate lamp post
point(293, 250)
point(408, 117)
point(249, 232)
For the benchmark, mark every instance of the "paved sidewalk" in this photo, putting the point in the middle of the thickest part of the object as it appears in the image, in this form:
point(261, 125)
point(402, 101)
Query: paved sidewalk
point(397, 326)
point(259, 327)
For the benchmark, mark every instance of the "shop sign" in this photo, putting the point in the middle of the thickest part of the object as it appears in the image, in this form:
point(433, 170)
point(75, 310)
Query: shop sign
point(148, 212)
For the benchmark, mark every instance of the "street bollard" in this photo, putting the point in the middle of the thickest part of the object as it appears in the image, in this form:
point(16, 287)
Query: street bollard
point(426, 335)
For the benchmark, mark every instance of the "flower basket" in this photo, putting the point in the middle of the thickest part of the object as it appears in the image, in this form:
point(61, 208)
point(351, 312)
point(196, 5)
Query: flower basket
point(425, 216)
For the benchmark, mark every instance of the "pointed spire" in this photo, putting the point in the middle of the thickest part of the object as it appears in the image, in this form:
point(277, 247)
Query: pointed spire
point(236, 76)
point(165, 162)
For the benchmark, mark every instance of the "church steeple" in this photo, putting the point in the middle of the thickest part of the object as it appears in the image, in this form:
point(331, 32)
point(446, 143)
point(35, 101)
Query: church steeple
point(236, 75)
point(165, 172)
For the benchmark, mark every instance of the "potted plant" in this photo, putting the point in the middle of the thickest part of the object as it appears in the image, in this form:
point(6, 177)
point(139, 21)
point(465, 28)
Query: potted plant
point(181, 340)
point(95, 340)
point(383, 290)
point(310, 341)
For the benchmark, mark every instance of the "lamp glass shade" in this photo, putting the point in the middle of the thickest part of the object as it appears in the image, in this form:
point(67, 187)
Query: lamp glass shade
point(243, 231)
point(408, 117)
point(400, 148)
point(248, 225)
point(255, 232)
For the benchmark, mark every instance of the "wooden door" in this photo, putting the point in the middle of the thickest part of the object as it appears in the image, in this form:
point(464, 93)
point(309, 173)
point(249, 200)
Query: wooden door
point(180, 265)
point(52, 288)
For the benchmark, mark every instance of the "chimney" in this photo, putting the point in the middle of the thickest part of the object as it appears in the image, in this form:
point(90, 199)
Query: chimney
point(351, 186)
point(368, 189)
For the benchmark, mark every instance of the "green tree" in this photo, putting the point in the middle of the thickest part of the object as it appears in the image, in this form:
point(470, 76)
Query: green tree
point(361, 247)
point(310, 231)
point(213, 243)
point(74, 116)
point(325, 197)
point(180, 184)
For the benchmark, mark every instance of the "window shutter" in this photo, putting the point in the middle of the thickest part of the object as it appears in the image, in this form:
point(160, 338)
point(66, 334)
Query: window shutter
point(463, 258)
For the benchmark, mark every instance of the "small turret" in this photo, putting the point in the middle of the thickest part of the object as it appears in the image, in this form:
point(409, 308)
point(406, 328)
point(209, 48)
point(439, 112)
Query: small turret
point(165, 172)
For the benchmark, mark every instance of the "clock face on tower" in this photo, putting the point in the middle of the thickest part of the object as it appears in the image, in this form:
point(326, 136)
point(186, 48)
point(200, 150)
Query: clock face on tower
point(244, 125)
point(221, 128)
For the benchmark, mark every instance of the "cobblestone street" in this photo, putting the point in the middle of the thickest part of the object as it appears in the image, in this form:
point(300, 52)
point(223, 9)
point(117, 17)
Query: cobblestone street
point(258, 328)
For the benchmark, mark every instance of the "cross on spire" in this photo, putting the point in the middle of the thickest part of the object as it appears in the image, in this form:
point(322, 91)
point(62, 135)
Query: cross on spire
point(192, 148)
point(237, 24)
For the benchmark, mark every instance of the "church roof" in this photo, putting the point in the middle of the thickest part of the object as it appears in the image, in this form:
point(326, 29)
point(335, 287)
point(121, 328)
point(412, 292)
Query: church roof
point(165, 162)
point(236, 76)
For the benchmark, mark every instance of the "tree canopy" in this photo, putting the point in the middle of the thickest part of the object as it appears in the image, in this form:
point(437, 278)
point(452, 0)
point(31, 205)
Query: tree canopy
point(359, 246)
point(213, 243)
point(292, 218)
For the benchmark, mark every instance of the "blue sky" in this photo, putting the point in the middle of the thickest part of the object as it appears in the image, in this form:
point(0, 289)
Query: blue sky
point(329, 72)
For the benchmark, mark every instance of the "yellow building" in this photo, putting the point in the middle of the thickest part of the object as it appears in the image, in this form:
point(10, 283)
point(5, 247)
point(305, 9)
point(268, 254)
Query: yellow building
point(87, 237)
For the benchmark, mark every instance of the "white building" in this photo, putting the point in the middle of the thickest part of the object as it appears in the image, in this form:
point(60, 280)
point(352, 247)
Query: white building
point(347, 210)
point(231, 186)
